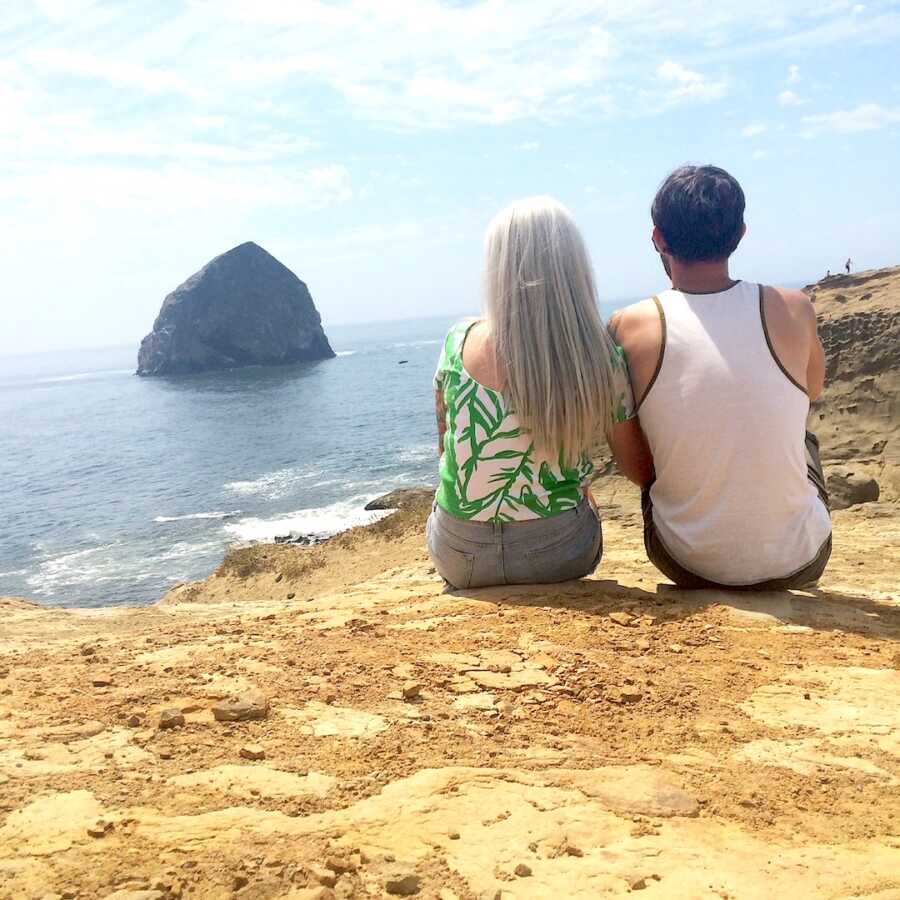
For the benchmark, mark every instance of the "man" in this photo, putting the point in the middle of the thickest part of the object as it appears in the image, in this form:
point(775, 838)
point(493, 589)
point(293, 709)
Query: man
point(848, 264)
point(723, 372)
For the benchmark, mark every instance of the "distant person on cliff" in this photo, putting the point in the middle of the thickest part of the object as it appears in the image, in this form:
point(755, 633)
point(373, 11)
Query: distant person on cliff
point(723, 371)
point(521, 394)
point(848, 264)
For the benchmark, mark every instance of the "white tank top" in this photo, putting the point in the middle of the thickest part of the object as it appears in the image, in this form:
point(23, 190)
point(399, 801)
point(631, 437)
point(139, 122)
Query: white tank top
point(732, 501)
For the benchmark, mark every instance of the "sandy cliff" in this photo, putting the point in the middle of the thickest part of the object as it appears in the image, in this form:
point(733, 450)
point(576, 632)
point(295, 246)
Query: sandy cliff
point(324, 722)
point(858, 417)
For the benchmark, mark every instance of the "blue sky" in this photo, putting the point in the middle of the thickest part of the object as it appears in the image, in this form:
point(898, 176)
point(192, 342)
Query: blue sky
point(366, 143)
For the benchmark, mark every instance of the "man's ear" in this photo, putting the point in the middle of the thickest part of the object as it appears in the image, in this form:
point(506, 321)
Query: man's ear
point(659, 241)
point(743, 232)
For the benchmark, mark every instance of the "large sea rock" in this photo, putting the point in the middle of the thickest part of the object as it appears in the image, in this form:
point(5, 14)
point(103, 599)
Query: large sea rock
point(244, 308)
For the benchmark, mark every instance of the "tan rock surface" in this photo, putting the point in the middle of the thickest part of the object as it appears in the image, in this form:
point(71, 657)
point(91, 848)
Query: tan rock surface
point(760, 756)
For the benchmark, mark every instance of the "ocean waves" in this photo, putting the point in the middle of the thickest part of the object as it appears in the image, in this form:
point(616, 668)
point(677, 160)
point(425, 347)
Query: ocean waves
point(275, 485)
point(200, 515)
point(318, 522)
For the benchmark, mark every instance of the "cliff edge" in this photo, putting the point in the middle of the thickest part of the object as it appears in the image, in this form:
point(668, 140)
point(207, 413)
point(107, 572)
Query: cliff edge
point(857, 418)
point(244, 308)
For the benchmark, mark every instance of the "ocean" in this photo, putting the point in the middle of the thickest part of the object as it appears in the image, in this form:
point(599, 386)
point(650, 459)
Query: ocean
point(113, 488)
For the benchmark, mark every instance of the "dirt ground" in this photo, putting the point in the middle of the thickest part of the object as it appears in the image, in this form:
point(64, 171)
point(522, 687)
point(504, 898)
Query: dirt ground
point(590, 739)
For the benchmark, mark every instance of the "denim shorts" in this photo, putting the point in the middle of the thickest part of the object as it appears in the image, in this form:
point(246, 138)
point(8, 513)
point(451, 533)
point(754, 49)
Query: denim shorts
point(539, 551)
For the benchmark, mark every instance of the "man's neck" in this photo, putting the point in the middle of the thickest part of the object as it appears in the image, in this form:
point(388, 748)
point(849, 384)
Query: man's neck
point(705, 277)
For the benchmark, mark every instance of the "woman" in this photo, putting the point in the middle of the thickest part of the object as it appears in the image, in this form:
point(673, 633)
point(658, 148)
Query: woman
point(520, 395)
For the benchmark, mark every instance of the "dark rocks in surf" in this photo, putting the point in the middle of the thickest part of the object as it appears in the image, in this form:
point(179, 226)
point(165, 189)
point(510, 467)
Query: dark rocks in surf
point(403, 498)
point(244, 308)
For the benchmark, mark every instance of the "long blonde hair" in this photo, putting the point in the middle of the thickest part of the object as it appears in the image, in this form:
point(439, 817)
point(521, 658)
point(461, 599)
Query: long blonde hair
point(541, 306)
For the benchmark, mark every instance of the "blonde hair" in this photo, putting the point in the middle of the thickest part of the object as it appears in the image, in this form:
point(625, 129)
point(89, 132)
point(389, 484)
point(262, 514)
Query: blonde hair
point(541, 306)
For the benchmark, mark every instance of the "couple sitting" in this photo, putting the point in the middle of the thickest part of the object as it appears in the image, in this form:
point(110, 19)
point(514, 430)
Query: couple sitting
point(722, 372)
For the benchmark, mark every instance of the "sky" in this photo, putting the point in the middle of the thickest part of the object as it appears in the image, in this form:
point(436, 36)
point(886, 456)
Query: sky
point(367, 143)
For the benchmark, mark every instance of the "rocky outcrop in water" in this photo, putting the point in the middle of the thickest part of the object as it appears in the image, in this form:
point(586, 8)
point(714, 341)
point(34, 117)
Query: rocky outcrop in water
point(244, 308)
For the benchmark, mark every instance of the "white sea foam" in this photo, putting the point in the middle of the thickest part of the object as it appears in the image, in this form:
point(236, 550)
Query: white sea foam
point(345, 353)
point(419, 453)
point(273, 485)
point(203, 515)
point(108, 563)
point(323, 521)
point(416, 343)
point(78, 376)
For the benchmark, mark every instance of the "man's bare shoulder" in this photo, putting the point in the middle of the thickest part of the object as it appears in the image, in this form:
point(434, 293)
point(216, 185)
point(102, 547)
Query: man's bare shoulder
point(793, 301)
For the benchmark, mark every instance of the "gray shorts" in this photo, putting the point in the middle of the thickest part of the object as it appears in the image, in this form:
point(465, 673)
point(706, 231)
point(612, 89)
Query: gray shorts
point(540, 551)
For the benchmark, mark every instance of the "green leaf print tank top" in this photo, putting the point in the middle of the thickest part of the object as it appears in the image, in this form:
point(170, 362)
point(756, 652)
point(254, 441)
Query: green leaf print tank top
point(490, 470)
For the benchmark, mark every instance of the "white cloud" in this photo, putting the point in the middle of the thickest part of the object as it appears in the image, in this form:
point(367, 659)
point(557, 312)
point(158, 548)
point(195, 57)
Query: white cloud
point(528, 146)
point(118, 73)
point(434, 64)
point(688, 84)
point(755, 130)
point(789, 98)
point(865, 117)
point(760, 154)
point(793, 76)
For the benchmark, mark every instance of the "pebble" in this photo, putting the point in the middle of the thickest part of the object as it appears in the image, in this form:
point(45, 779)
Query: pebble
point(522, 870)
point(133, 721)
point(403, 885)
point(342, 864)
point(252, 751)
point(622, 618)
point(241, 710)
point(323, 876)
point(88, 651)
point(100, 828)
point(278, 577)
point(642, 644)
point(171, 718)
point(102, 680)
point(411, 690)
point(327, 693)
point(676, 648)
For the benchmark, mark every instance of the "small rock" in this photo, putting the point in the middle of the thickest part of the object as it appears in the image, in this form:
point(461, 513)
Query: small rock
point(403, 885)
point(100, 828)
point(411, 690)
point(133, 721)
point(102, 680)
point(637, 883)
point(291, 596)
point(88, 651)
point(522, 870)
point(323, 876)
point(241, 710)
point(676, 648)
point(171, 718)
point(622, 618)
point(252, 751)
point(327, 693)
point(453, 835)
point(341, 864)
point(278, 577)
point(642, 644)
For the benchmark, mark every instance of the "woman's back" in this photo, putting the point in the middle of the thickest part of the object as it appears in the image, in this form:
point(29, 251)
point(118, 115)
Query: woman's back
point(490, 468)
